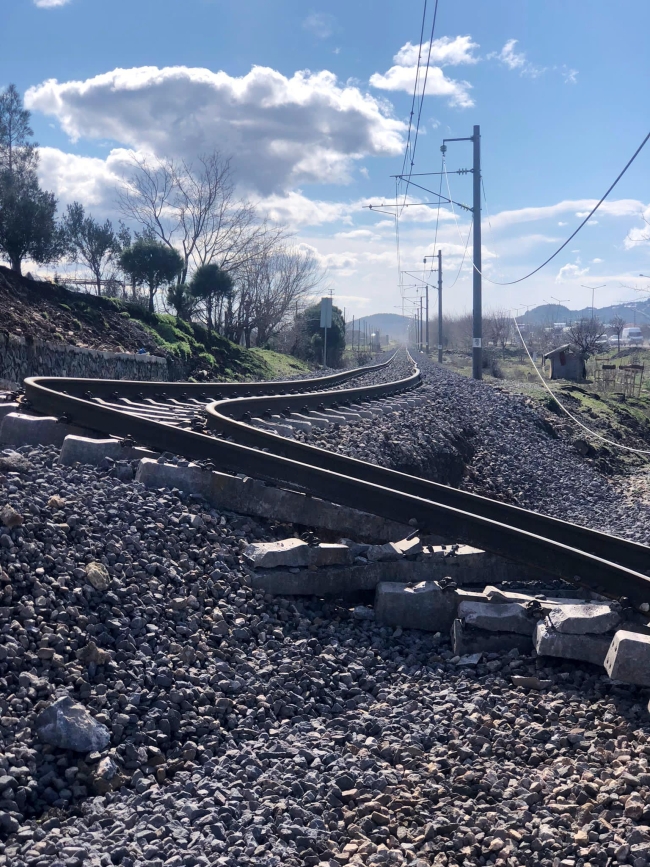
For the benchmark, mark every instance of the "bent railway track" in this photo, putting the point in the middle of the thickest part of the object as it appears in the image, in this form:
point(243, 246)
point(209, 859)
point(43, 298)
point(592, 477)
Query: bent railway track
point(221, 423)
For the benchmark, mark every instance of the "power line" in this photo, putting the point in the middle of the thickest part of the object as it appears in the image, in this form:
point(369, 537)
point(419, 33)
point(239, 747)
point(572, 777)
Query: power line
point(424, 89)
point(415, 88)
point(469, 235)
point(582, 224)
point(422, 95)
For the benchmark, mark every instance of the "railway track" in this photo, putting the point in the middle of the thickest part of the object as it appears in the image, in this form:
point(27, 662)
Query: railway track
point(231, 426)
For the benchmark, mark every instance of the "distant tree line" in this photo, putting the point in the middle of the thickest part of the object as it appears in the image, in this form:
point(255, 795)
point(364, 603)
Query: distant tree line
point(189, 244)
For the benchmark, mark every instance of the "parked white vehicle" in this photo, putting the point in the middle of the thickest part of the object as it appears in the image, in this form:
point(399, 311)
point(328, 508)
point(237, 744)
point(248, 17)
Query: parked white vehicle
point(632, 336)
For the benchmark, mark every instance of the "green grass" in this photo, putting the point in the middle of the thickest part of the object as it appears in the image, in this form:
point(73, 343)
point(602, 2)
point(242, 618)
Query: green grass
point(280, 365)
point(188, 343)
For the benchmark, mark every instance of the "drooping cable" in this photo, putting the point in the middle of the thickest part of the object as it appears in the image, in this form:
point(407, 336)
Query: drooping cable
point(568, 412)
point(469, 235)
point(582, 224)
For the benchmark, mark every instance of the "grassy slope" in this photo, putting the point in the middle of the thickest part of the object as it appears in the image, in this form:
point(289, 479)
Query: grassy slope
point(47, 311)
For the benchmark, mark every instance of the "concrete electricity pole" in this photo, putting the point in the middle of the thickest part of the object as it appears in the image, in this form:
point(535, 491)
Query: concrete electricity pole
point(439, 257)
point(477, 282)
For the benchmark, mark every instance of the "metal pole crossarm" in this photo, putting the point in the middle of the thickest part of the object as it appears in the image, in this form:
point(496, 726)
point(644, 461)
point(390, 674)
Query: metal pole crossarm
point(467, 138)
point(379, 211)
point(428, 174)
point(443, 198)
point(406, 205)
point(413, 274)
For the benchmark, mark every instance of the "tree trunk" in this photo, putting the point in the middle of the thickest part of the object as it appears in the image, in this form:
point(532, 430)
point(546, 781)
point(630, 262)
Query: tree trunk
point(16, 264)
point(152, 292)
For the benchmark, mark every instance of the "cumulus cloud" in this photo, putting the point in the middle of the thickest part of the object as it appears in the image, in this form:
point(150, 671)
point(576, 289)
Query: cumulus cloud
point(444, 52)
point(570, 272)
point(321, 24)
point(50, 4)
point(284, 131)
point(294, 209)
point(90, 180)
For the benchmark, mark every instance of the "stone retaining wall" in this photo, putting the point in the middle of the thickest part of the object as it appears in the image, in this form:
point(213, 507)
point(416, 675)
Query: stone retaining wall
point(21, 357)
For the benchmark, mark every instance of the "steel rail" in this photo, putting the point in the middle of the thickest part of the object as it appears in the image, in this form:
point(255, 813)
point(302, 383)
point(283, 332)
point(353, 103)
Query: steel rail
point(604, 563)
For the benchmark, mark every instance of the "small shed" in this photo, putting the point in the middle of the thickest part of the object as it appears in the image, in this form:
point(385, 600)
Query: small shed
point(567, 362)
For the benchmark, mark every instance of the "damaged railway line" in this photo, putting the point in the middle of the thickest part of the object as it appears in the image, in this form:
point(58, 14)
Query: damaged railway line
point(238, 433)
point(185, 686)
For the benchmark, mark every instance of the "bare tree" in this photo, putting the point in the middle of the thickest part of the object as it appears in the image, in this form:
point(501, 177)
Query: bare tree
point(192, 207)
point(617, 324)
point(498, 327)
point(587, 335)
point(270, 289)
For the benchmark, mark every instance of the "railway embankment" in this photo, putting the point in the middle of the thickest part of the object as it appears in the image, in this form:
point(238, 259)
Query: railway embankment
point(163, 702)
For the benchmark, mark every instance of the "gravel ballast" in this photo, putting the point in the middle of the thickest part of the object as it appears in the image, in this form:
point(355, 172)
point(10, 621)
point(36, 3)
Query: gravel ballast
point(246, 729)
point(474, 436)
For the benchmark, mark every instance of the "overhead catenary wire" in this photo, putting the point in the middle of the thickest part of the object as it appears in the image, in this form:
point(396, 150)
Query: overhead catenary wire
point(568, 412)
point(424, 89)
point(415, 89)
point(575, 232)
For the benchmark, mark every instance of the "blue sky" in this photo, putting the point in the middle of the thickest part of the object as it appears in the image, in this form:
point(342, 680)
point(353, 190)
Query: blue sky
point(316, 130)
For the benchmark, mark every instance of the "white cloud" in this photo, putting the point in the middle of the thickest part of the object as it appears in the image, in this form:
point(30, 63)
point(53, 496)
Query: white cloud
point(579, 207)
point(321, 24)
point(50, 4)
point(596, 261)
point(295, 209)
point(284, 131)
point(445, 52)
point(90, 180)
point(516, 60)
point(361, 234)
point(510, 58)
point(639, 234)
point(570, 272)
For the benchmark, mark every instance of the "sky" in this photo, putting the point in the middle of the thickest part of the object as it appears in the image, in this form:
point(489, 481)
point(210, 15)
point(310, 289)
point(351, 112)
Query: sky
point(312, 102)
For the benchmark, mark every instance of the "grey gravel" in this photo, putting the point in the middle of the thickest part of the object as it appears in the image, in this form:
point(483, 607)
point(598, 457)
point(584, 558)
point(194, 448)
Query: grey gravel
point(247, 729)
point(477, 437)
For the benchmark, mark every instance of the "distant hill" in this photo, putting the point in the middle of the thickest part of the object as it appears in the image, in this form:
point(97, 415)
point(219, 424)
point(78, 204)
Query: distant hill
point(634, 312)
point(382, 323)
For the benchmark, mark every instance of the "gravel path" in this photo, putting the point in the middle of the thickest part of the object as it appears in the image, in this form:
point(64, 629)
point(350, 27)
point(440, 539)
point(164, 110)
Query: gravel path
point(502, 445)
point(251, 730)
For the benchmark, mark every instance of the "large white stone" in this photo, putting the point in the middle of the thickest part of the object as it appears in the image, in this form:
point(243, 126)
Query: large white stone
point(628, 658)
point(589, 619)
point(423, 606)
point(19, 429)
point(269, 555)
point(510, 617)
point(588, 648)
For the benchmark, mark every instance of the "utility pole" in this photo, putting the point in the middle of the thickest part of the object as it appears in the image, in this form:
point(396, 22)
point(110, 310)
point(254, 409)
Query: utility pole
point(439, 306)
point(439, 257)
point(477, 282)
point(593, 290)
point(421, 324)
